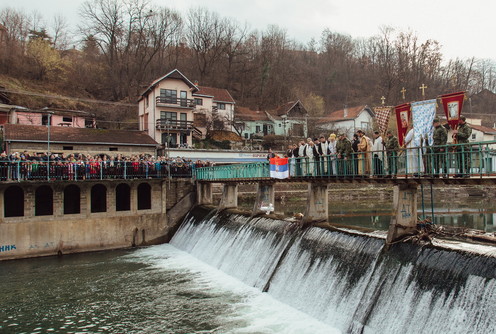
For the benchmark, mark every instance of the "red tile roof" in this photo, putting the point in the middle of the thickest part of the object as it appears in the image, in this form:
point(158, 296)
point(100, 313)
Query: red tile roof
point(219, 94)
point(246, 114)
point(62, 134)
point(339, 115)
point(484, 129)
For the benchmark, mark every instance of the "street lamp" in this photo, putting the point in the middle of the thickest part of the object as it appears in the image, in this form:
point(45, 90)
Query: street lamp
point(284, 118)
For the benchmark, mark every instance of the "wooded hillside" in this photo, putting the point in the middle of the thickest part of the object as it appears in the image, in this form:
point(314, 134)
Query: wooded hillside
point(120, 47)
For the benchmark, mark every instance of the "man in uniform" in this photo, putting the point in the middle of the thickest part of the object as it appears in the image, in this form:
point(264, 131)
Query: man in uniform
point(440, 137)
point(344, 152)
point(392, 146)
point(462, 135)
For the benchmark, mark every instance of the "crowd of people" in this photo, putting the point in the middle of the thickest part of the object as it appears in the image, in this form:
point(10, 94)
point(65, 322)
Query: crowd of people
point(32, 166)
point(337, 155)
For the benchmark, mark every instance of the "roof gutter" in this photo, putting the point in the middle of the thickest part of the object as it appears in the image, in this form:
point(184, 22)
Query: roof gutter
point(69, 142)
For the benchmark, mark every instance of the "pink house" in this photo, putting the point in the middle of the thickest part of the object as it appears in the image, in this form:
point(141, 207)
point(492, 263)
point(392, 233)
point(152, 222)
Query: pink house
point(58, 117)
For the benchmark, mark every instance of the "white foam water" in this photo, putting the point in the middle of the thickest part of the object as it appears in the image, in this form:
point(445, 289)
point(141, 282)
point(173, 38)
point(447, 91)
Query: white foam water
point(251, 311)
point(350, 282)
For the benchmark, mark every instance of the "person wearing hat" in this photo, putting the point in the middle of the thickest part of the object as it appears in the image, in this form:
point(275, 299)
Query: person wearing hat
point(392, 146)
point(440, 137)
point(462, 135)
point(344, 156)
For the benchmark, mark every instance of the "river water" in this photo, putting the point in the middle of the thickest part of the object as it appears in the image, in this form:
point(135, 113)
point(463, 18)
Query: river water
point(158, 289)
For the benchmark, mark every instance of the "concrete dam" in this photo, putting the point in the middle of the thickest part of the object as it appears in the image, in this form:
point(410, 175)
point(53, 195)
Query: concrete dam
point(349, 281)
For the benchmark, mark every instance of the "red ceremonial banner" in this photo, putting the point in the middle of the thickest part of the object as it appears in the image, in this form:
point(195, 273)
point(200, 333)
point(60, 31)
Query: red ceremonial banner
point(403, 119)
point(453, 104)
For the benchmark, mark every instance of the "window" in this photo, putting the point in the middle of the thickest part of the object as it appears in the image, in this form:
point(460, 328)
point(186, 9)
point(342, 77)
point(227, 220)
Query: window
point(113, 149)
point(144, 196)
point(68, 148)
point(122, 197)
point(67, 119)
point(98, 198)
point(72, 200)
point(168, 96)
point(221, 106)
point(184, 116)
point(13, 202)
point(147, 101)
point(43, 201)
point(168, 115)
point(199, 102)
point(168, 93)
point(246, 135)
point(474, 136)
point(257, 130)
point(364, 125)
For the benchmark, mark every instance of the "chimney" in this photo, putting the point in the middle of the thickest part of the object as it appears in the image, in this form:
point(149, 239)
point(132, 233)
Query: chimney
point(345, 112)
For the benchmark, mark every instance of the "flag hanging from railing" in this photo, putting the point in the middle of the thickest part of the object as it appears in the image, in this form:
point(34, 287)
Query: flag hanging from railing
point(452, 104)
point(423, 114)
point(279, 168)
point(382, 115)
point(403, 117)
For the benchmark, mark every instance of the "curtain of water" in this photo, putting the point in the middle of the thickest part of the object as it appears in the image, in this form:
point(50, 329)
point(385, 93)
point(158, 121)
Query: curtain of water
point(349, 281)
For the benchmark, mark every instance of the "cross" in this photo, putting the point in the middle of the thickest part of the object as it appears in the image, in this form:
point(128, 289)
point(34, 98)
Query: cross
point(383, 99)
point(403, 91)
point(423, 87)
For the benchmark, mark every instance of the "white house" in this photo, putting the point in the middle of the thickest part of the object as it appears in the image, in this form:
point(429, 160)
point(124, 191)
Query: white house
point(348, 120)
point(170, 109)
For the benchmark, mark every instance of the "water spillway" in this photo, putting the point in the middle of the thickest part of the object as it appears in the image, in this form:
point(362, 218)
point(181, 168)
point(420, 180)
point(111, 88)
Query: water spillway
point(345, 280)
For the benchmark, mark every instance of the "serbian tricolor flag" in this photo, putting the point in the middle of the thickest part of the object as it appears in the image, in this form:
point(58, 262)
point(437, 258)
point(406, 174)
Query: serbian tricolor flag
point(452, 104)
point(403, 119)
point(279, 168)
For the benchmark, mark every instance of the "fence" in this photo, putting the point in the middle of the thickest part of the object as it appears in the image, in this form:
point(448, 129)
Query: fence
point(455, 160)
point(97, 170)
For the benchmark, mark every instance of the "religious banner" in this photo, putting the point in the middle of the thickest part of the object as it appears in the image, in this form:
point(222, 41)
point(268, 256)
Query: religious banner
point(423, 114)
point(403, 117)
point(382, 114)
point(452, 104)
point(279, 168)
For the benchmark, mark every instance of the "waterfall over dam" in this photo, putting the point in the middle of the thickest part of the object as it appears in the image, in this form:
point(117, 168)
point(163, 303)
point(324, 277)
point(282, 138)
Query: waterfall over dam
point(349, 281)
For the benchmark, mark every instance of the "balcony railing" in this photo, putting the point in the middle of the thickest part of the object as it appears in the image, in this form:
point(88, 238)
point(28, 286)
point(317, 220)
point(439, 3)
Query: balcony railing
point(166, 124)
point(175, 101)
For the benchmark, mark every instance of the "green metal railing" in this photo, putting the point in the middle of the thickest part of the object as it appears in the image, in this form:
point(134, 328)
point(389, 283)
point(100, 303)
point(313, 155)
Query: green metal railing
point(448, 161)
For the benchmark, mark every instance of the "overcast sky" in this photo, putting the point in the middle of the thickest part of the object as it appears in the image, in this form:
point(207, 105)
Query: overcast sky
point(463, 28)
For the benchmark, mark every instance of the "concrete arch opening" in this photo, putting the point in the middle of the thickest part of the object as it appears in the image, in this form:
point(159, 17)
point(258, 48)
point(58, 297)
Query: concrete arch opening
point(144, 196)
point(98, 198)
point(13, 202)
point(43, 201)
point(72, 199)
point(123, 197)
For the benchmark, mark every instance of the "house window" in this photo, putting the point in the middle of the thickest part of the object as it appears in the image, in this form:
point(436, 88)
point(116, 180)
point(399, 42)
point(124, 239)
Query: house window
point(199, 102)
point(184, 116)
point(67, 119)
point(168, 96)
point(113, 149)
point(68, 148)
point(473, 136)
point(221, 106)
point(257, 129)
point(246, 135)
point(168, 115)
point(364, 125)
point(147, 102)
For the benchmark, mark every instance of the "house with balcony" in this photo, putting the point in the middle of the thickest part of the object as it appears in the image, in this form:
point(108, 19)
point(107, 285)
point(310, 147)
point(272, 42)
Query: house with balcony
point(348, 120)
point(289, 119)
point(173, 110)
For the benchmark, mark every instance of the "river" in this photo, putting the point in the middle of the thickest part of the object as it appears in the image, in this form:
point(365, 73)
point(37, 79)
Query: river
point(158, 289)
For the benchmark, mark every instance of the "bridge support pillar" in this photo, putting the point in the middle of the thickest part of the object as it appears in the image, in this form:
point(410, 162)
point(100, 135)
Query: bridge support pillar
point(404, 222)
point(265, 197)
point(229, 197)
point(317, 202)
point(204, 193)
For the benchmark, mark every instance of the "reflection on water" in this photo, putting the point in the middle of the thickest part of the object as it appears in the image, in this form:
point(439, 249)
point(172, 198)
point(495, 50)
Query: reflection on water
point(471, 212)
